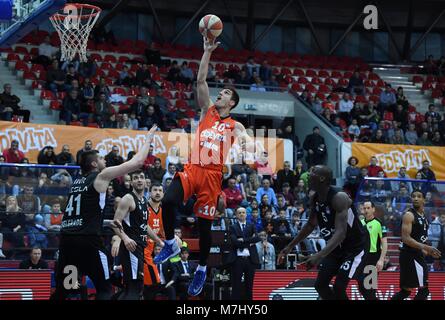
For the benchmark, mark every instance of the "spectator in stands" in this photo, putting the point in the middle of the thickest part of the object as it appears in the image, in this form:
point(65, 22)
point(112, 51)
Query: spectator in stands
point(87, 69)
point(356, 84)
point(257, 85)
point(240, 167)
point(424, 140)
point(282, 230)
point(432, 112)
point(244, 78)
point(113, 158)
point(266, 252)
point(262, 166)
point(373, 168)
point(124, 77)
point(152, 118)
point(266, 72)
point(387, 100)
point(56, 78)
point(441, 245)
point(251, 66)
point(46, 53)
point(53, 220)
point(35, 260)
point(316, 148)
point(87, 90)
point(266, 189)
point(150, 160)
point(65, 157)
point(156, 173)
point(13, 154)
point(352, 175)
point(102, 87)
point(329, 104)
point(401, 116)
point(13, 223)
point(354, 129)
point(171, 170)
point(87, 147)
point(174, 73)
point(317, 106)
point(28, 201)
point(252, 185)
point(378, 137)
point(437, 139)
point(174, 157)
point(301, 192)
point(102, 110)
point(345, 106)
point(124, 122)
point(398, 137)
point(47, 156)
point(402, 199)
point(285, 175)
point(254, 218)
point(411, 134)
point(71, 107)
point(234, 196)
point(306, 96)
point(186, 74)
point(37, 232)
point(288, 194)
point(10, 103)
point(426, 172)
point(431, 66)
point(401, 99)
point(143, 76)
point(441, 66)
point(71, 75)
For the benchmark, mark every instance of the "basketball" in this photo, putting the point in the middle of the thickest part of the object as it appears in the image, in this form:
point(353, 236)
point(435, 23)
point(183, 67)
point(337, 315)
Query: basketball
point(210, 26)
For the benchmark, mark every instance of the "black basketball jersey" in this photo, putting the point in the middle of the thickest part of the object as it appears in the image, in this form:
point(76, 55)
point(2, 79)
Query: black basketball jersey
point(135, 223)
point(83, 211)
point(355, 233)
point(419, 231)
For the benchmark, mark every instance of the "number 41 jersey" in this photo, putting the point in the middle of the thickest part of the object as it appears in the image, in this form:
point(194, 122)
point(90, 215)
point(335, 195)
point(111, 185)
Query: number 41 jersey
point(83, 212)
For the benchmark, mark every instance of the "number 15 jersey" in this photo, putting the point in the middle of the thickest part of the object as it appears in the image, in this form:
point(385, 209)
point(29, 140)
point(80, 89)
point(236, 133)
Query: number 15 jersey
point(83, 212)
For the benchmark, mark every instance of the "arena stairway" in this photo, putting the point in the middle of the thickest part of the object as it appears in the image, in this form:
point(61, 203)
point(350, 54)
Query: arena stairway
point(39, 114)
point(393, 75)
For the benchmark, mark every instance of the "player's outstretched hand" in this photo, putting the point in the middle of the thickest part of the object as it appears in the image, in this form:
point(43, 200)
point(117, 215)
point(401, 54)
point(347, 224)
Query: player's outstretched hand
point(312, 261)
point(115, 248)
point(431, 251)
point(130, 244)
point(151, 132)
point(283, 253)
point(210, 45)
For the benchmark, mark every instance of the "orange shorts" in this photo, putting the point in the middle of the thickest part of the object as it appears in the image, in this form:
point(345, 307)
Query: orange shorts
point(206, 185)
point(151, 273)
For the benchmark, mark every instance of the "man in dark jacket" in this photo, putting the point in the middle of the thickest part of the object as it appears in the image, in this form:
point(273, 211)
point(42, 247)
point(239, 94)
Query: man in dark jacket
point(316, 148)
point(285, 175)
point(156, 173)
point(243, 255)
point(426, 172)
point(47, 156)
point(183, 271)
point(70, 107)
point(10, 103)
point(65, 157)
point(87, 147)
point(113, 158)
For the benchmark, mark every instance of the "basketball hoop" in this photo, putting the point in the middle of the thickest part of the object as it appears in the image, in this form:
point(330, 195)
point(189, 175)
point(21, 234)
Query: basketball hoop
point(74, 25)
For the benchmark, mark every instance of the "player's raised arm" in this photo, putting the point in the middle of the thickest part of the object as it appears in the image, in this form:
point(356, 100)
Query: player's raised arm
point(125, 206)
point(407, 225)
point(103, 179)
point(204, 101)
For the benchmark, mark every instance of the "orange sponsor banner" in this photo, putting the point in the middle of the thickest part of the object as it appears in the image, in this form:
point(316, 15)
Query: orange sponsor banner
point(34, 137)
point(391, 157)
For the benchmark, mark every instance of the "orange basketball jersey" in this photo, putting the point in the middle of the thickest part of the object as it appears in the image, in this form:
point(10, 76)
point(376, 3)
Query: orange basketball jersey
point(213, 140)
point(151, 273)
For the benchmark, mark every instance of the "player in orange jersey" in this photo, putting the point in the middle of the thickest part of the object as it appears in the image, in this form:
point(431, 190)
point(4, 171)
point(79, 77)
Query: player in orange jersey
point(151, 273)
point(202, 176)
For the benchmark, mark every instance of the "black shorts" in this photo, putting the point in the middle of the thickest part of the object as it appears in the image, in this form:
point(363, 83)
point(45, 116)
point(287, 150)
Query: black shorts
point(344, 265)
point(370, 259)
point(413, 270)
point(89, 257)
point(132, 263)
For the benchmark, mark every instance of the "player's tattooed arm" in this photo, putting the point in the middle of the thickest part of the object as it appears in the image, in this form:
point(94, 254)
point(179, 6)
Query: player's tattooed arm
point(203, 94)
point(407, 225)
point(125, 206)
point(104, 178)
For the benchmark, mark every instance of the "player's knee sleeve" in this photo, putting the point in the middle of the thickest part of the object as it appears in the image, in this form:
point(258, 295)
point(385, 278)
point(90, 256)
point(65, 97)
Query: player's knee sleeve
point(422, 294)
point(401, 295)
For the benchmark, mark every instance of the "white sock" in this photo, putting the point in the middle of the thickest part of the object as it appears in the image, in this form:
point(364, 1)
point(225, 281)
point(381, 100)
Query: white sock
point(171, 241)
point(201, 268)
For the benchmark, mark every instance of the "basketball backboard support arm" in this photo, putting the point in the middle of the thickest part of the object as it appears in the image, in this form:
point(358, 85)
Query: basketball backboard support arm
point(25, 18)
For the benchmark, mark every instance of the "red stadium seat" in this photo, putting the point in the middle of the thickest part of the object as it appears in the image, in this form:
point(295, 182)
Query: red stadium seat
point(296, 87)
point(12, 57)
point(343, 82)
point(417, 79)
point(181, 95)
point(22, 66)
point(375, 99)
point(336, 74)
point(361, 99)
point(311, 73)
point(96, 57)
point(106, 66)
point(55, 105)
point(373, 76)
point(167, 94)
point(311, 88)
point(388, 116)
point(303, 80)
point(298, 72)
point(21, 50)
point(316, 80)
point(119, 90)
point(182, 123)
point(329, 82)
point(376, 91)
point(323, 88)
point(323, 74)
point(123, 59)
point(47, 95)
point(29, 75)
point(181, 104)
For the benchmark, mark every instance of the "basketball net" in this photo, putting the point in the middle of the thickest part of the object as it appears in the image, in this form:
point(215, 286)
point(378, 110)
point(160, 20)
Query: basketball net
point(73, 27)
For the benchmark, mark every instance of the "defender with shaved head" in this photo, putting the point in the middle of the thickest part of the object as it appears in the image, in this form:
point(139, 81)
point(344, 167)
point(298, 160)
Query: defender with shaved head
point(340, 227)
